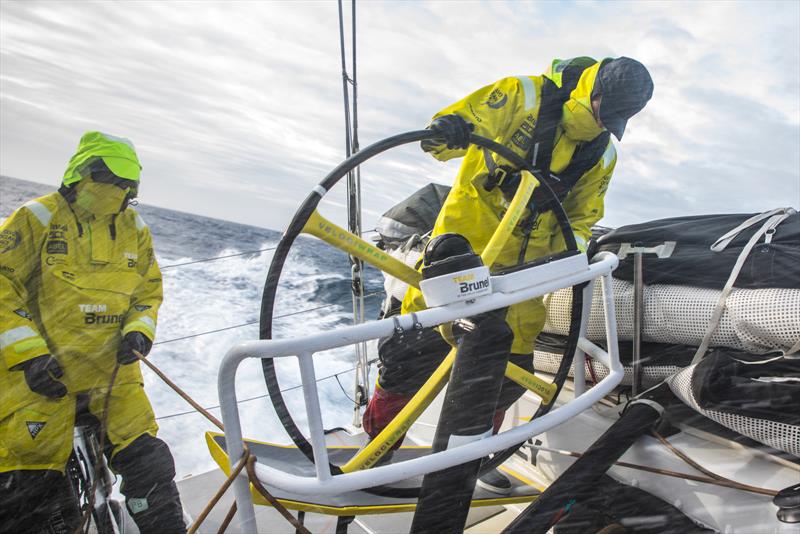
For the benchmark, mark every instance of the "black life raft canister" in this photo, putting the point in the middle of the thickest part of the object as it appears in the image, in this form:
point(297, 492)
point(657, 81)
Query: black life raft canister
point(774, 261)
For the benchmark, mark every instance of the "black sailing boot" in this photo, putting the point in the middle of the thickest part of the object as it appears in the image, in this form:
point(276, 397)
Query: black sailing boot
point(152, 498)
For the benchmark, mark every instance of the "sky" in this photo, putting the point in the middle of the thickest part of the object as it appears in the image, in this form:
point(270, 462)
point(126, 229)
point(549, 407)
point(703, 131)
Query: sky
point(236, 108)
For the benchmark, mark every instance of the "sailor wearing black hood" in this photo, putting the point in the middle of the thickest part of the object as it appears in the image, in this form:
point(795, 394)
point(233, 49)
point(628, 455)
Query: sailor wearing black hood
point(560, 122)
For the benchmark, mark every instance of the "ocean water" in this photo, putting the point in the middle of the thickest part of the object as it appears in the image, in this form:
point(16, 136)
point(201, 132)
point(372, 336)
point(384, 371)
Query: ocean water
point(209, 306)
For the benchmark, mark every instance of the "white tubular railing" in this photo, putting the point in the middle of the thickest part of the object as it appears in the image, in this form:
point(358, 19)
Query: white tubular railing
point(508, 289)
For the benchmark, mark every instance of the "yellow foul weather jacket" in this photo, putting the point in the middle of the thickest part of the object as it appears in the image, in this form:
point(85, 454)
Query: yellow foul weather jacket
point(508, 113)
point(73, 285)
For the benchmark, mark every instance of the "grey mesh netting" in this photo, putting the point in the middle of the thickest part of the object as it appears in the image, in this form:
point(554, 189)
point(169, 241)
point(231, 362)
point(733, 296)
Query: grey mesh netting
point(755, 320)
point(777, 435)
point(548, 362)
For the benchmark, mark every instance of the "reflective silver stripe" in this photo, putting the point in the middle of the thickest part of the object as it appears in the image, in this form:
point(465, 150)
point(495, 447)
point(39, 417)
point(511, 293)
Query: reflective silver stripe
point(9, 337)
point(609, 155)
point(581, 242)
point(529, 91)
point(140, 222)
point(489, 160)
point(122, 140)
point(394, 229)
point(41, 212)
point(139, 324)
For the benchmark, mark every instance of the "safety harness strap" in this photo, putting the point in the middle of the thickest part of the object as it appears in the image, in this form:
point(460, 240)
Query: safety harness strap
point(540, 152)
point(543, 142)
point(544, 136)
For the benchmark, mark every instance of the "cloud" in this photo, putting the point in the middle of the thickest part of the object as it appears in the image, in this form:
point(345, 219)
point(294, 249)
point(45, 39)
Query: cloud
point(236, 107)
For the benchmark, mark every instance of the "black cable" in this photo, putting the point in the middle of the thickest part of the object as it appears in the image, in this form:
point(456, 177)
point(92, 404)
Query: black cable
point(345, 79)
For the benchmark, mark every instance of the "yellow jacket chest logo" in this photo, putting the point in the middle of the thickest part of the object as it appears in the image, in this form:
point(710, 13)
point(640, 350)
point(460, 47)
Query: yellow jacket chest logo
point(97, 314)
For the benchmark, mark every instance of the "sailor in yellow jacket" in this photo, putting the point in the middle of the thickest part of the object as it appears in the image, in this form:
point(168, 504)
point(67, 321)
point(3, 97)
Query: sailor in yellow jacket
point(560, 122)
point(80, 291)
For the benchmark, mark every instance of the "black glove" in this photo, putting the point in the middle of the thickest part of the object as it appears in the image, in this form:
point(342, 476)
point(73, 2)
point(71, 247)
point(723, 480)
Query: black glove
point(133, 341)
point(453, 129)
point(41, 373)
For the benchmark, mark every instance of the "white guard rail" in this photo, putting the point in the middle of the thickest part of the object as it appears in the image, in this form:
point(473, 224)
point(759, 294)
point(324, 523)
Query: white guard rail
point(507, 289)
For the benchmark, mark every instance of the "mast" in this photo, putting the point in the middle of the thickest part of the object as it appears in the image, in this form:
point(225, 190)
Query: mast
point(360, 388)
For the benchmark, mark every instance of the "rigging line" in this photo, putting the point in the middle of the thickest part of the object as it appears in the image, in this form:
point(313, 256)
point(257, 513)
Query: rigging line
point(256, 322)
point(290, 388)
point(365, 367)
point(218, 258)
point(220, 329)
point(680, 454)
point(371, 231)
point(246, 455)
point(353, 195)
point(355, 86)
point(342, 387)
point(345, 77)
point(676, 474)
point(217, 496)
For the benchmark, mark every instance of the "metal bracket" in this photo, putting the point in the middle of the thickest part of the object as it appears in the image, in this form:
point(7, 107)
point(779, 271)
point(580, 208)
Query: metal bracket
point(664, 250)
point(398, 328)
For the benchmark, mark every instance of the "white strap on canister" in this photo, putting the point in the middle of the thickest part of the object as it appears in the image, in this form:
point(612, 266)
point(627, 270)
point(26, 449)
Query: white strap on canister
point(773, 219)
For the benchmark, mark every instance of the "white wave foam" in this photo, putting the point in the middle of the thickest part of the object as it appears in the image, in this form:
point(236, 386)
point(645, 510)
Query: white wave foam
point(213, 295)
